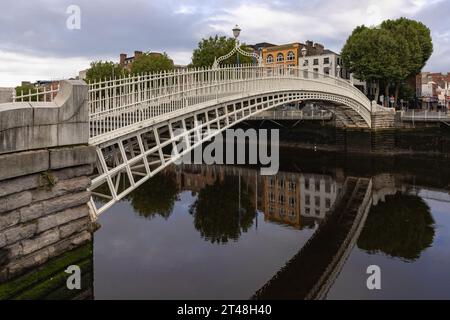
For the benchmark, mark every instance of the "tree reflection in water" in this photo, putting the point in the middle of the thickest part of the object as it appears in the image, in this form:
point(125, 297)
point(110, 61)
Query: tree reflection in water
point(219, 216)
point(402, 227)
point(156, 196)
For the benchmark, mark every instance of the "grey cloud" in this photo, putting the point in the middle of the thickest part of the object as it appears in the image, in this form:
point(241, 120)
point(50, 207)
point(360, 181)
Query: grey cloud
point(110, 27)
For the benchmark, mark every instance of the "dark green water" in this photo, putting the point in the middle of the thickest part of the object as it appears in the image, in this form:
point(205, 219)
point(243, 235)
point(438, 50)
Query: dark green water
point(205, 232)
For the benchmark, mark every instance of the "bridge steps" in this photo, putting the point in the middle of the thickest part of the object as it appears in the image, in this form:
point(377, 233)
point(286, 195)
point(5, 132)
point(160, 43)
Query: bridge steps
point(309, 273)
point(348, 117)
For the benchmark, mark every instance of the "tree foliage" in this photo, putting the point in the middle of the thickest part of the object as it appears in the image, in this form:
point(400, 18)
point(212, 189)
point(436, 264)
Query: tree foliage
point(388, 54)
point(216, 211)
point(400, 227)
point(101, 70)
point(156, 196)
point(151, 62)
point(215, 47)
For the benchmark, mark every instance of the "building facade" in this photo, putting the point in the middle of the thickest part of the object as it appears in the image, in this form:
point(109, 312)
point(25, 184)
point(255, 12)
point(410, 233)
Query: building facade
point(286, 54)
point(433, 90)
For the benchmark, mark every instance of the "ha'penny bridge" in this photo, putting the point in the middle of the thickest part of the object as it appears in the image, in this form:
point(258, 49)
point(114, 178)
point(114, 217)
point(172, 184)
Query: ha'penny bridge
point(60, 149)
point(132, 124)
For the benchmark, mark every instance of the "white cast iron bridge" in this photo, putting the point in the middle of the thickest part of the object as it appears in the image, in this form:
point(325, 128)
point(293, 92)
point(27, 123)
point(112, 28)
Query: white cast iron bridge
point(134, 119)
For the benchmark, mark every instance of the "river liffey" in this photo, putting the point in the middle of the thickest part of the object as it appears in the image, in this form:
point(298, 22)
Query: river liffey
point(315, 230)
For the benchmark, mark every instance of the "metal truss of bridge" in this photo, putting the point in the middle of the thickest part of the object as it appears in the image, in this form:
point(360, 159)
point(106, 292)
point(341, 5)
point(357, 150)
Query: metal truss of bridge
point(136, 122)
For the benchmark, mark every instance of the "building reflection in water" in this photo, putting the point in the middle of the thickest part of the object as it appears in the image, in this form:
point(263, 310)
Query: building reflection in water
point(295, 199)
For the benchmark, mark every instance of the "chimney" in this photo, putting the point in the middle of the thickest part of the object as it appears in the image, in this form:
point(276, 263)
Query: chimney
point(123, 56)
point(309, 43)
point(137, 54)
point(319, 48)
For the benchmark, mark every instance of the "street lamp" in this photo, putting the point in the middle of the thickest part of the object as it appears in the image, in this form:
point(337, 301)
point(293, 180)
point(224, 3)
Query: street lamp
point(338, 69)
point(236, 31)
point(237, 50)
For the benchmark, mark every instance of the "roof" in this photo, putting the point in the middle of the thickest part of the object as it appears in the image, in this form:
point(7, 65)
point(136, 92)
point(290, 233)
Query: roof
point(261, 45)
point(326, 51)
point(283, 46)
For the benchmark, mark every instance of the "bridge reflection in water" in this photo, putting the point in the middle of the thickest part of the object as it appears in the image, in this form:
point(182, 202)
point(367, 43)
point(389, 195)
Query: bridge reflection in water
point(334, 204)
point(300, 200)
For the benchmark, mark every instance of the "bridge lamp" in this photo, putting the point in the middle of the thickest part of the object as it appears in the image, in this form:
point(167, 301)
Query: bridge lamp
point(236, 31)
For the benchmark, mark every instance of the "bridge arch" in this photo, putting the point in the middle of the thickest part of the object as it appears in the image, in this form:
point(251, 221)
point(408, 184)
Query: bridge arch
point(133, 121)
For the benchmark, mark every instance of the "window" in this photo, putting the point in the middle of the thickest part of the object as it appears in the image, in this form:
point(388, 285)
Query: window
point(306, 63)
point(307, 210)
point(269, 58)
point(317, 184)
point(307, 200)
point(271, 210)
point(316, 62)
point(317, 201)
point(291, 201)
point(307, 183)
point(327, 203)
point(281, 183)
point(327, 186)
point(326, 60)
point(290, 56)
point(282, 212)
point(292, 186)
point(280, 57)
point(271, 197)
point(281, 199)
point(326, 70)
point(271, 182)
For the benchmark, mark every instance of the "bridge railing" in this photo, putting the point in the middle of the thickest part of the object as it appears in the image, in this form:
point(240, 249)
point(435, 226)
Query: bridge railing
point(115, 104)
point(36, 94)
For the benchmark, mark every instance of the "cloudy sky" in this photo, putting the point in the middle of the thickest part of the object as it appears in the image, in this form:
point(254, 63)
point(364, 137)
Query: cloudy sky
point(35, 42)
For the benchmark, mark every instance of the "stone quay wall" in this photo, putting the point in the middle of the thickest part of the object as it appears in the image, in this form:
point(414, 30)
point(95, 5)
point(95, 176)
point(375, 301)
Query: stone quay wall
point(43, 213)
point(45, 169)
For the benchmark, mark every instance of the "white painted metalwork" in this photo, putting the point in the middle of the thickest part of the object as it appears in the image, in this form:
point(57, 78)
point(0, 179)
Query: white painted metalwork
point(425, 116)
point(133, 119)
point(293, 115)
point(42, 94)
point(237, 49)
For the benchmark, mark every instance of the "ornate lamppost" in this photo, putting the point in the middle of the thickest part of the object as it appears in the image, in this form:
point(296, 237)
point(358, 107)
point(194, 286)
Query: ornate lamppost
point(237, 50)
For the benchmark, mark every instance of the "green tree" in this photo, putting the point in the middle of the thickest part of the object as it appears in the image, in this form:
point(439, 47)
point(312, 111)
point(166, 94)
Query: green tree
point(218, 216)
point(368, 55)
point(389, 54)
point(101, 70)
point(151, 62)
point(402, 227)
point(215, 47)
point(156, 196)
point(415, 47)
